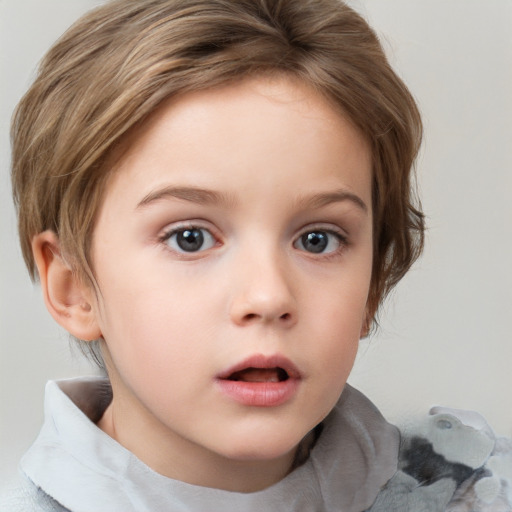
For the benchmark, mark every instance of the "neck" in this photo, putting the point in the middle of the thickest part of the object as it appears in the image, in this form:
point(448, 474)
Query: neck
point(194, 464)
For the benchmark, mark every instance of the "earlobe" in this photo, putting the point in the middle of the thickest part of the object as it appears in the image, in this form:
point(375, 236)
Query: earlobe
point(66, 297)
point(367, 323)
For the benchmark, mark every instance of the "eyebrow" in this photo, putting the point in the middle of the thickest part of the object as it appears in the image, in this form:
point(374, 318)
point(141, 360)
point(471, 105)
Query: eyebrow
point(324, 199)
point(212, 197)
point(192, 194)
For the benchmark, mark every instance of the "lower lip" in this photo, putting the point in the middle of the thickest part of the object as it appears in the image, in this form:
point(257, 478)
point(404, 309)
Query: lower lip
point(259, 394)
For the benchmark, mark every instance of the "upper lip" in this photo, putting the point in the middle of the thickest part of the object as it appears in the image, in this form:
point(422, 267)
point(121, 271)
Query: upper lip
point(261, 361)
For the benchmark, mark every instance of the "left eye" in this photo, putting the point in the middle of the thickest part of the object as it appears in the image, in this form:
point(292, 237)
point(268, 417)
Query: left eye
point(319, 241)
point(190, 240)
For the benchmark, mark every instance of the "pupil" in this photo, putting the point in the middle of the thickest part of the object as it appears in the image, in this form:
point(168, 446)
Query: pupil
point(190, 240)
point(315, 242)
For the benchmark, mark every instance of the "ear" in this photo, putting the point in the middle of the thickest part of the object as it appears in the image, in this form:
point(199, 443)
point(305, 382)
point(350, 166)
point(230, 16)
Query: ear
point(367, 322)
point(365, 330)
point(67, 298)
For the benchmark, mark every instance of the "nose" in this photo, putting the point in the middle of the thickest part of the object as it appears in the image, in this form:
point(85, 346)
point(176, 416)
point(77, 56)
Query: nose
point(263, 293)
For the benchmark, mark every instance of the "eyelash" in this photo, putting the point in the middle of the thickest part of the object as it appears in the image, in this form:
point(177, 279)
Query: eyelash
point(340, 237)
point(176, 230)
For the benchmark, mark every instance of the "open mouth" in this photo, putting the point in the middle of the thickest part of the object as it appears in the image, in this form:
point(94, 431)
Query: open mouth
point(252, 374)
point(261, 381)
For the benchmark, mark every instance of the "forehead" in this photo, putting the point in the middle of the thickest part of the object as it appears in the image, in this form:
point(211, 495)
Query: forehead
point(267, 122)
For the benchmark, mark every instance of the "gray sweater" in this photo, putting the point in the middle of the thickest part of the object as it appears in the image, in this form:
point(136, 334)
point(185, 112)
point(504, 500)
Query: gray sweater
point(358, 463)
point(75, 466)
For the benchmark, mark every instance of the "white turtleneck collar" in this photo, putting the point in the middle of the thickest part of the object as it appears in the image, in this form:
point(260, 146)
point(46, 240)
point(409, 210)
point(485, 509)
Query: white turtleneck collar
point(85, 470)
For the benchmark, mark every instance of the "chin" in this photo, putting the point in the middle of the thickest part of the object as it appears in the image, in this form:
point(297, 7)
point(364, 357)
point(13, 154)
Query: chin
point(263, 447)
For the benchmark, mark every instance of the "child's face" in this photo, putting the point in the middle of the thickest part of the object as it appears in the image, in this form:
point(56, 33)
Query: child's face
point(236, 233)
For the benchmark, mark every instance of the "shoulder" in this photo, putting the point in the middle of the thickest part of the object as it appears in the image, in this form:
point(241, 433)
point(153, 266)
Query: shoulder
point(450, 461)
point(24, 496)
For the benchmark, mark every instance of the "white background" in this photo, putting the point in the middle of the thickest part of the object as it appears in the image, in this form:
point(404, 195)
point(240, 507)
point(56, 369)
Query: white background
point(444, 336)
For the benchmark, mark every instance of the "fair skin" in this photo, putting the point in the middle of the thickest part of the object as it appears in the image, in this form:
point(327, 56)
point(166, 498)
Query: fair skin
point(233, 256)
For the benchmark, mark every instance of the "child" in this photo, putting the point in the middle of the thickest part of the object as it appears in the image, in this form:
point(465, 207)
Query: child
point(215, 196)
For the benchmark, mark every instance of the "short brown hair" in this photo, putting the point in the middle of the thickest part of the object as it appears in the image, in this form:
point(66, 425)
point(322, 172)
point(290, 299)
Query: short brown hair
point(116, 65)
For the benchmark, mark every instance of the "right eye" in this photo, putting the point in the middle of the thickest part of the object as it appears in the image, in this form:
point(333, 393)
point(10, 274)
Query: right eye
point(188, 240)
point(318, 241)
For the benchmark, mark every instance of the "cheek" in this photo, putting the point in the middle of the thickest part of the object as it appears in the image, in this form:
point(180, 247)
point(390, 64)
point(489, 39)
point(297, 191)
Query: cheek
point(153, 320)
point(337, 319)
point(339, 341)
point(342, 305)
point(333, 359)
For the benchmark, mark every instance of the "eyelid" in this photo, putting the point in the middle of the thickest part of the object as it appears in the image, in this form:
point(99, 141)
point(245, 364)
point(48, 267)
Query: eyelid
point(179, 225)
point(332, 229)
point(324, 226)
point(176, 227)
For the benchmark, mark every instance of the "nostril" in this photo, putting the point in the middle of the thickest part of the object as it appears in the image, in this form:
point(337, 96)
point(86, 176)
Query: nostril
point(253, 316)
